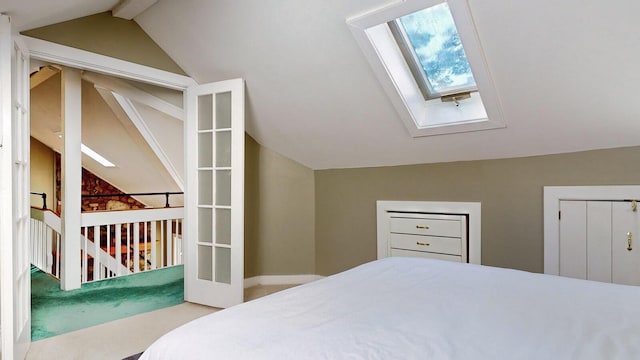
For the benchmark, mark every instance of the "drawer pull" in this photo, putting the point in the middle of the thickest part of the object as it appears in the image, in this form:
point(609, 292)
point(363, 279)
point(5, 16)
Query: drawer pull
point(422, 244)
point(422, 227)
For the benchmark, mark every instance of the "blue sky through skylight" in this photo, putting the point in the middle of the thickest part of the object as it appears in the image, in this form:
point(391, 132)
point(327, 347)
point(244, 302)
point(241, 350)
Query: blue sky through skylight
point(435, 41)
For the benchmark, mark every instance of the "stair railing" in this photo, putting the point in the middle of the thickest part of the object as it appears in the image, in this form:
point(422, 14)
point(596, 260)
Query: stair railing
point(46, 240)
point(139, 240)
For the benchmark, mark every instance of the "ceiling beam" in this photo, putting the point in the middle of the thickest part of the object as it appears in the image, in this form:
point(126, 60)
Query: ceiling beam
point(126, 112)
point(133, 93)
point(42, 75)
point(128, 9)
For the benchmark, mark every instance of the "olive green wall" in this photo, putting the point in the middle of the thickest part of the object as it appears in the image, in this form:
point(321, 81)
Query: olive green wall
point(279, 214)
point(42, 174)
point(510, 191)
point(107, 35)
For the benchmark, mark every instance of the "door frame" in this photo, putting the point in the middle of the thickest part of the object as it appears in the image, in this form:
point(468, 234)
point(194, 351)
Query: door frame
point(84, 60)
point(551, 207)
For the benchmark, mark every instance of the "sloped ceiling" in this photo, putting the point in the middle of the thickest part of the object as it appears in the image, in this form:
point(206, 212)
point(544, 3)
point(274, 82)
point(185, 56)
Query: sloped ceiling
point(565, 72)
point(138, 169)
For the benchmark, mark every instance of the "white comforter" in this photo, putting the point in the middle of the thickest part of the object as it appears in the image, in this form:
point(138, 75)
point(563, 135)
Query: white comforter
point(409, 308)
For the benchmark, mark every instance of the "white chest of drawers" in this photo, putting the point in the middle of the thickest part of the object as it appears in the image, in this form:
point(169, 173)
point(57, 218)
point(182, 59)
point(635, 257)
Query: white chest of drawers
point(429, 229)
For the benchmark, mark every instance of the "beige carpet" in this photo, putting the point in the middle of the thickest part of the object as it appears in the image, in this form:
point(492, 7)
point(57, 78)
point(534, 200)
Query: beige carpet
point(119, 339)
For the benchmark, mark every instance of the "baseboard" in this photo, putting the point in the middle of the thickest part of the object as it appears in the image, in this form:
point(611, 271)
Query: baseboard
point(280, 280)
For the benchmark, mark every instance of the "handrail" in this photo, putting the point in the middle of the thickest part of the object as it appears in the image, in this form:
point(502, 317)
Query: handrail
point(130, 216)
point(166, 194)
point(48, 217)
point(44, 199)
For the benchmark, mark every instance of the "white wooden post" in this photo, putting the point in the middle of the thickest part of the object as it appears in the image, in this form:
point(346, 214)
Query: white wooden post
point(72, 178)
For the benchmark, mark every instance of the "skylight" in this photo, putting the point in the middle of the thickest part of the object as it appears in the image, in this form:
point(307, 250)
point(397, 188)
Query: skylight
point(428, 58)
point(95, 156)
point(433, 47)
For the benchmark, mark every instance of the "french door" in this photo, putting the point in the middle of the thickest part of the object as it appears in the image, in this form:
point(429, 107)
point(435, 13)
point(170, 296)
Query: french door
point(214, 145)
point(15, 274)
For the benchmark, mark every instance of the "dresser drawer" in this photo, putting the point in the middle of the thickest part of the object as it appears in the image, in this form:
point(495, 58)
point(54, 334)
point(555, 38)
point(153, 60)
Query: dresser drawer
point(424, 254)
point(442, 245)
point(426, 226)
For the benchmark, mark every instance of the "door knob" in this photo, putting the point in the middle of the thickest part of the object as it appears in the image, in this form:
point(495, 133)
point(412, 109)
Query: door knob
point(629, 241)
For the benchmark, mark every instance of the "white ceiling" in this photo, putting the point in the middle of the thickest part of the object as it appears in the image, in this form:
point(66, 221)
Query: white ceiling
point(565, 72)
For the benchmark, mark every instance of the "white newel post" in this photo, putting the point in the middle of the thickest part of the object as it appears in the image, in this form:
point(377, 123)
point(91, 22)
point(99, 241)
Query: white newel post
point(71, 178)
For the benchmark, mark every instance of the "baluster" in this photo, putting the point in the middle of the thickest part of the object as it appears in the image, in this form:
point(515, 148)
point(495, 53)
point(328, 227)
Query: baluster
point(136, 247)
point(118, 249)
point(169, 243)
point(154, 246)
point(96, 252)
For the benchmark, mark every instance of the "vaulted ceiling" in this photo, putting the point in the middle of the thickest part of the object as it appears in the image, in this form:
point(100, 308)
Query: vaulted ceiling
point(565, 73)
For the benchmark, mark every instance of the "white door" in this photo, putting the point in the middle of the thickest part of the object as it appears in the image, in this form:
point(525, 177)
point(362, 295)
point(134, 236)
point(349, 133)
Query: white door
point(573, 239)
point(15, 274)
point(585, 239)
point(214, 195)
point(625, 244)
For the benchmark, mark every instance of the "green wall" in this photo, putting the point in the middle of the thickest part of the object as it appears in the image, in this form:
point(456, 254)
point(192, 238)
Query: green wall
point(107, 35)
point(510, 191)
point(279, 214)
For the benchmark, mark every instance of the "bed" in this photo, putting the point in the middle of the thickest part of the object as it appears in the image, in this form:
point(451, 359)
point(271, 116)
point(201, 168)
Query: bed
point(413, 308)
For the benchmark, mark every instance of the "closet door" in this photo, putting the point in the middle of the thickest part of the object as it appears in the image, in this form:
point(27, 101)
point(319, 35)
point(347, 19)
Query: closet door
point(599, 240)
point(625, 245)
point(573, 239)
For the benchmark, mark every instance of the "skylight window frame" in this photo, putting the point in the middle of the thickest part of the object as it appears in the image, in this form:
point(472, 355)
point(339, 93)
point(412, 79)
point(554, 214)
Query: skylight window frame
point(409, 53)
point(482, 111)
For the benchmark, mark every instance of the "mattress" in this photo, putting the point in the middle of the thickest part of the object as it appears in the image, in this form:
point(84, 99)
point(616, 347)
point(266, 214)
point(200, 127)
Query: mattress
point(414, 308)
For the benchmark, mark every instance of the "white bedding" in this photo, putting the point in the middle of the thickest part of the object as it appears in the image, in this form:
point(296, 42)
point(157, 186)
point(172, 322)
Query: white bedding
point(411, 308)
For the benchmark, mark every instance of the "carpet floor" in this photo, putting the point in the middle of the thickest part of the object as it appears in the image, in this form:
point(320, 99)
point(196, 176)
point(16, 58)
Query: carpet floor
point(55, 312)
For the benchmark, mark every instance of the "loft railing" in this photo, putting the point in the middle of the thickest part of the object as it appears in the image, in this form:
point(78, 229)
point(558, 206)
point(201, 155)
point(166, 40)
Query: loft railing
point(46, 240)
point(139, 240)
point(112, 243)
point(166, 195)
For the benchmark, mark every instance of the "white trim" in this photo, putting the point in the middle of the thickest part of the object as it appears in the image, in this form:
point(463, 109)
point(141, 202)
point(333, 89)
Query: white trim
point(84, 60)
point(552, 197)
point(138, 121)
point(122, 88)
point(472, 209)
point(383, 54)
point(6, 192)
point(130, 216)
point(280, 280)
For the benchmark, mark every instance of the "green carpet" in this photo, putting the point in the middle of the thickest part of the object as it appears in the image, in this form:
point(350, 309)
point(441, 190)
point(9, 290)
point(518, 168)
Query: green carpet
point(55, 312)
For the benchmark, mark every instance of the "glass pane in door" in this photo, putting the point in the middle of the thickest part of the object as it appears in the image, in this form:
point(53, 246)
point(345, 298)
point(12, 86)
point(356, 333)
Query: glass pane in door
point(205, 262)
point(205, 232)
point(223, 187)
point(205, 150)
point(205, 112)
point(205, 187)
point(223, 110)
point(223, 226)
point(223, 265)
point(223, 149)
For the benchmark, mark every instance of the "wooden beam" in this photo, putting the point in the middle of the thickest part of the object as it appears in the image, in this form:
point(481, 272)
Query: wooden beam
point(44, 74)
